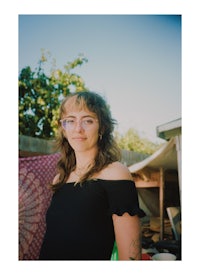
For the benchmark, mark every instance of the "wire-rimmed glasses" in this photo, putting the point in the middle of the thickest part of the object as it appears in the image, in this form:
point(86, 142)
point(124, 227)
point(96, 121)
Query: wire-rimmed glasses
point(70, 124)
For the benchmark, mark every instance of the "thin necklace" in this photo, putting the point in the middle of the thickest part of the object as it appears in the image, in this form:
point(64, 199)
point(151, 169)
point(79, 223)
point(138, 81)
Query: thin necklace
point(79, 171)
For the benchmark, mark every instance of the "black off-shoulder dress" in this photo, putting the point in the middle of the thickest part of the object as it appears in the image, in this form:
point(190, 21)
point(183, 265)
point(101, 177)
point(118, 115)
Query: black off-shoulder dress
point(79, 219)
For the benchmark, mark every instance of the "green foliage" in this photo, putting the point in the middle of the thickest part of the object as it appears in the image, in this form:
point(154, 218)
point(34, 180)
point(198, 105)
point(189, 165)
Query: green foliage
point(133, 142)
point(40, 96)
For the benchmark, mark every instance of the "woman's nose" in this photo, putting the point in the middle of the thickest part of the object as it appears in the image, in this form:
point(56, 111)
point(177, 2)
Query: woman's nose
point(78, 126)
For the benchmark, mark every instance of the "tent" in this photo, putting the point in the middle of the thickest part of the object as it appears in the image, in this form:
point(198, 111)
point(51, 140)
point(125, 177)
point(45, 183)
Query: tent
point(154, 170)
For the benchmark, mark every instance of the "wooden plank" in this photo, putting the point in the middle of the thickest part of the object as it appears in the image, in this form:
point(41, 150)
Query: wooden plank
point(146, 184)
point(161, 198)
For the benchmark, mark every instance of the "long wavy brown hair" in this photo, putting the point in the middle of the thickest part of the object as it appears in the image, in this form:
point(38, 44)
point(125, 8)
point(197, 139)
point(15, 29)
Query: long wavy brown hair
point(108, 150)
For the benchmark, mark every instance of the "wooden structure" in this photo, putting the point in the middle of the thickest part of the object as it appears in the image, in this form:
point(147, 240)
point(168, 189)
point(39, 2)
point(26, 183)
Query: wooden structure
point(167, 131)
point(155, 170)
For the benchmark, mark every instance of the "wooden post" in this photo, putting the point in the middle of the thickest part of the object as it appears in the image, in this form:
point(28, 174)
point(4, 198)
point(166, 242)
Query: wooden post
point(161, 198)
point(178, 149)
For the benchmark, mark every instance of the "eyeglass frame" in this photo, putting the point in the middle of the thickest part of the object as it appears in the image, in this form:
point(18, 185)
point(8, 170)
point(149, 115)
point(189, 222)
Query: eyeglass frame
point(80, 122)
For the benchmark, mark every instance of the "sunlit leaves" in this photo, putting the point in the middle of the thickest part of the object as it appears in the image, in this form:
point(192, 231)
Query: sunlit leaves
point(40, 95)
point(133, 142)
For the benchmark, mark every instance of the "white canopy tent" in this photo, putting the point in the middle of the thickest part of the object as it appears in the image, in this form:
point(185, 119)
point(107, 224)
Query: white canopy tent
point(150, 172)
point(165, 156)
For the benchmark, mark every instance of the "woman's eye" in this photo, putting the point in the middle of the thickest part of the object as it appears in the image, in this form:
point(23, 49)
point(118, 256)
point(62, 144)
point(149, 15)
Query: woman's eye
point(69, 121)
point(88, 121)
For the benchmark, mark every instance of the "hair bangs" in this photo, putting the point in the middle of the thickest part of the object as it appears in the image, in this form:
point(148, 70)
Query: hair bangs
point(73, 104)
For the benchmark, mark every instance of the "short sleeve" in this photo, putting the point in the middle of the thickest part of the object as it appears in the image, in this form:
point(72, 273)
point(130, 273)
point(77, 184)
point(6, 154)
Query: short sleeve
point(123, 197)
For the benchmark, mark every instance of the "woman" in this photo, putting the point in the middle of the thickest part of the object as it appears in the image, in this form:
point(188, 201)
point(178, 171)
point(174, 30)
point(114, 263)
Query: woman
point(95, 200)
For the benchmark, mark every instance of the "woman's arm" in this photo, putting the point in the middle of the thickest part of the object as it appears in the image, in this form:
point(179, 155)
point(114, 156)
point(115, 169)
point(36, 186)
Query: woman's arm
point(128, 236)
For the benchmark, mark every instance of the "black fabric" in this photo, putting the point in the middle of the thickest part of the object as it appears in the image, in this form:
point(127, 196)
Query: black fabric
point(79, 219)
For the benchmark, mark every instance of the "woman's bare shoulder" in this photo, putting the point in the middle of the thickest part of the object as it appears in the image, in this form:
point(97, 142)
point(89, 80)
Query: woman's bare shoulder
point(56, 179)
point(116, 171)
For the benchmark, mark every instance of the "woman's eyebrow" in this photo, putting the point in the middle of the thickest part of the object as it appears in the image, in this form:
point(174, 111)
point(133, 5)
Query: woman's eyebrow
point(84, 116)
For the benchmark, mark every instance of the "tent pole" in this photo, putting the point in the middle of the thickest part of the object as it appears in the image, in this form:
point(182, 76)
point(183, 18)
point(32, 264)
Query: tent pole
point(161, 198)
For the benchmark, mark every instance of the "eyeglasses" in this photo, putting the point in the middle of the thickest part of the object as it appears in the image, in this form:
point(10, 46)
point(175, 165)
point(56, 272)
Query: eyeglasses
point(70, 124)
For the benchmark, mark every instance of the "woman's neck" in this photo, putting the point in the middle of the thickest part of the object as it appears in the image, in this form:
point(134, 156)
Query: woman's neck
point(84, 160)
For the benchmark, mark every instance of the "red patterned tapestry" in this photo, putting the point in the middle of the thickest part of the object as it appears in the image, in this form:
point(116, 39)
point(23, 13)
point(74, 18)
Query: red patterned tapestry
point(35, 173)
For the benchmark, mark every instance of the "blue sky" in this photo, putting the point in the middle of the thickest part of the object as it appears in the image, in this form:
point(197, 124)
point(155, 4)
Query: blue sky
point(133, 60)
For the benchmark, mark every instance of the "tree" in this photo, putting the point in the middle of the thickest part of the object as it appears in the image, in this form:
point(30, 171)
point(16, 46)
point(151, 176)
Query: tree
point(40, 96)
point(133, 142)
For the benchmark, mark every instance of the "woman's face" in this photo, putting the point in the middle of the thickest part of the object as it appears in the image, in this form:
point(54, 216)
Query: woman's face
point(81, 128)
